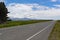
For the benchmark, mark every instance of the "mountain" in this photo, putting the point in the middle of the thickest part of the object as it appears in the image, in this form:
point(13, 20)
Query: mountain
point(15, 19)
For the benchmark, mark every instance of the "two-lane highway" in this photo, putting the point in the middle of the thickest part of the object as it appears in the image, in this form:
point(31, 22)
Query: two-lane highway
point(36, 31)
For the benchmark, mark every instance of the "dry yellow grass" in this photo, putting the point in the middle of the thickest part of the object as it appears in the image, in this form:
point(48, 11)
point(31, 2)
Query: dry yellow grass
point(55, 34)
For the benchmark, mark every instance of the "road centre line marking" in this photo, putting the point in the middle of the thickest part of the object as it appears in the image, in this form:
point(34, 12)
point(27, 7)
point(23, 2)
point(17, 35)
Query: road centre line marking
point(38, 32)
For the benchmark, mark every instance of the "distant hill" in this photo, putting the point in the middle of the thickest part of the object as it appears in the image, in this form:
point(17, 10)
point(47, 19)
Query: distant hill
point(15, 19)
point(24, 19)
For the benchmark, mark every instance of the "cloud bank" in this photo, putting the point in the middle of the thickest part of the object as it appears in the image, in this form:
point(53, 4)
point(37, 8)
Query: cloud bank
point(33, 11)
point(1, 0)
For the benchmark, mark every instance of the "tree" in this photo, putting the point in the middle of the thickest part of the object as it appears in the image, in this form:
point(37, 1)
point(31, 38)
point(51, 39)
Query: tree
point(3, 12)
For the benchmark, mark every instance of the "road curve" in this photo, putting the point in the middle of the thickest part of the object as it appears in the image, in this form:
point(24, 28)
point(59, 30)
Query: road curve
point(36, 31)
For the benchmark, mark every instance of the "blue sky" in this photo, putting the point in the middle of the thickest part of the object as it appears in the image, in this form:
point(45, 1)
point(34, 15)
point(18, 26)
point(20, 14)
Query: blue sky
point(39, 9)
point(41, 2)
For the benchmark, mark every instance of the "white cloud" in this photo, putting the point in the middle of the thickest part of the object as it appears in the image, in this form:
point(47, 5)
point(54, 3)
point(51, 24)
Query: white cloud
point(57, 6)
point(25, 10)
point(1, 0)
point(53, 0)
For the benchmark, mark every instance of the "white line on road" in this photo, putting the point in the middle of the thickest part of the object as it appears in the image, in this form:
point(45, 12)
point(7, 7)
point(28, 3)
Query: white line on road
point(38, 32)
point(0, 39)
point(0, 33)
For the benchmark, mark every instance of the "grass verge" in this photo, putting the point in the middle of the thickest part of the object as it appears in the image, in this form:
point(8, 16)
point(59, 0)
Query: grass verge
point(16, 23)
point(55, 34)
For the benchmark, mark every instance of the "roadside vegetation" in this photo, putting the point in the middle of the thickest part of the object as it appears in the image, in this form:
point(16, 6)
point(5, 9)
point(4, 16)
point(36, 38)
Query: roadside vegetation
point(3, 13)
point(16, 23)
point(55, 34)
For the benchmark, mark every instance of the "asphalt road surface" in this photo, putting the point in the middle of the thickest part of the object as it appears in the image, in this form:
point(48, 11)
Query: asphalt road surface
point(36, 31)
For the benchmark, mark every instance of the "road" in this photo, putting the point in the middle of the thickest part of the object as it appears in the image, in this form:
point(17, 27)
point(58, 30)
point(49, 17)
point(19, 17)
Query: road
point(36, 31)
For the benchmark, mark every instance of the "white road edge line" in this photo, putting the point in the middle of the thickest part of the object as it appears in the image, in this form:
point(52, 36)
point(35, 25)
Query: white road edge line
point(0, 33)
point(38, 32)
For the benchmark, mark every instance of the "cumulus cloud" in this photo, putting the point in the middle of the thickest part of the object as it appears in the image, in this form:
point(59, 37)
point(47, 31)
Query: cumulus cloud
point(57, 6)
point(26, 11)
point(53, 0)
point(1, 0)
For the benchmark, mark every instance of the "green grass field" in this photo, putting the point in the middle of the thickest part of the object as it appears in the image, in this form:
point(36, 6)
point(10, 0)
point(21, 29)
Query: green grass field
point(16, 23)
point(55, 34)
